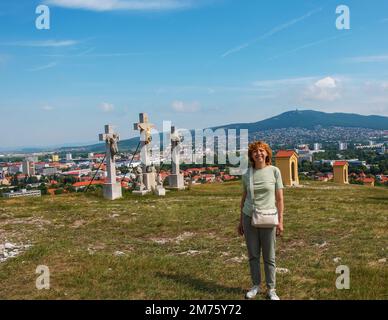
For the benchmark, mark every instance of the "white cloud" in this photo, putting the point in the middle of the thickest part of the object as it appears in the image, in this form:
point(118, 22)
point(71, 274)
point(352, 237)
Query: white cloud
point(107, 107)
point(326, 89)
point(271, 32)
point(367, 59)
point(283, 82)
point(47, 108)
point(44, 67)
point(308, 45)
point(180, 106)
point(326, 83)
point(134, 5)
point(44, 43)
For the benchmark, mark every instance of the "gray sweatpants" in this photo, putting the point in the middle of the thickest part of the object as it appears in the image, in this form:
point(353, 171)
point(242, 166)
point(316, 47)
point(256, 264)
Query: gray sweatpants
point(258, 239)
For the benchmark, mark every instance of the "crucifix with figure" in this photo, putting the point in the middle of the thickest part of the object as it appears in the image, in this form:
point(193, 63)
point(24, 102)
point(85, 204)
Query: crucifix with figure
point(111, 188)
point(144, 126)
point(145, 137)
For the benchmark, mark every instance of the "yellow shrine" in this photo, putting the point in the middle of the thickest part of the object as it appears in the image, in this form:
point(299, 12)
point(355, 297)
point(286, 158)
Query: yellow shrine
point(341, 172)
point(287, 162)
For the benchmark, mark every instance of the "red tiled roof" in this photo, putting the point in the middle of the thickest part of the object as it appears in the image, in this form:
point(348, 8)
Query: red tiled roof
point(340, 163)
point(86, 183)
point(285, 153)
point(368, 180)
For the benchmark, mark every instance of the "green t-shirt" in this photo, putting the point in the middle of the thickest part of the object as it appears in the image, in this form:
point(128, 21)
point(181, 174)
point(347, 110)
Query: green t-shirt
point(265, 182)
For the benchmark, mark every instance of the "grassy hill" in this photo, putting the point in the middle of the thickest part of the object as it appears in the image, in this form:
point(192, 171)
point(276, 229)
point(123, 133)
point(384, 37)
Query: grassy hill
point(185, 246)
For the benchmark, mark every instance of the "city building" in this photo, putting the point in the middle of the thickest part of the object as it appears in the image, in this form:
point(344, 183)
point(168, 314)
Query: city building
point(22, 193)
point(28, 168)
point(15, 168)
point(317, 146)
point(48, 171)
point(343, 146)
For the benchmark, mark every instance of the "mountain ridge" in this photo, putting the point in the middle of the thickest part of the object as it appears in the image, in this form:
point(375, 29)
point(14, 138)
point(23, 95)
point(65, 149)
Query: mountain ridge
point(308, 119)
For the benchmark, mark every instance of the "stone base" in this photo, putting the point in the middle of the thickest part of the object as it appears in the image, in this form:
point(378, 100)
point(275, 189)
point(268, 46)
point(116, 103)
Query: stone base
point(160, 191)
point(149, 180)
point(112, 191)
point(140, 192)
point(175, 181)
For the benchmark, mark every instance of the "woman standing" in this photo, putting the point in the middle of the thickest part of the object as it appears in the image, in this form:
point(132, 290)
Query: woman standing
point(267, 188)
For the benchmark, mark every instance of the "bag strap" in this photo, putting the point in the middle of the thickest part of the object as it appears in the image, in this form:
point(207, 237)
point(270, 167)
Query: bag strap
point(251, 190)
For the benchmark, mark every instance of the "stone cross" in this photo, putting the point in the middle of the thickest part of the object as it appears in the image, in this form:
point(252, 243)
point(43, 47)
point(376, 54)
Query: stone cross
point(112, 189)
point(175, 140)
point(145, 138)
point(175, 179)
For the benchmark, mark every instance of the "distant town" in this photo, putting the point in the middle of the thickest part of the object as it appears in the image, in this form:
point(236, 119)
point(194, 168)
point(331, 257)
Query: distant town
point(53, 173)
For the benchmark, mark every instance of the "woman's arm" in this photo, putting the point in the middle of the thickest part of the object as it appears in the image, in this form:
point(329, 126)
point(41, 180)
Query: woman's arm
point(280, 207)
point(240, 229)
point(244, 196)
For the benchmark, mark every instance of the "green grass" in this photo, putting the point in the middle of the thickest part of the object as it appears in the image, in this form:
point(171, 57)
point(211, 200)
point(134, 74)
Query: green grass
point(76, 236)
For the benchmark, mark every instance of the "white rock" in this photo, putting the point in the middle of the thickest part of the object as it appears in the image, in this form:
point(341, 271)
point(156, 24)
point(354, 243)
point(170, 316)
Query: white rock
point(237, 259)
point(119, 253)
point(322, 245)
point(282, 270)
point(9, 245)
point(384, 260)
point(190, 253)
point(115, 215)
point(337, 259)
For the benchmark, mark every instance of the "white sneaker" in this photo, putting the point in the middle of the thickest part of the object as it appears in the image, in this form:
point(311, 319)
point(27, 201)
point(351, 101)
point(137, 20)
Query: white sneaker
point(271, 295)
point(252, 292)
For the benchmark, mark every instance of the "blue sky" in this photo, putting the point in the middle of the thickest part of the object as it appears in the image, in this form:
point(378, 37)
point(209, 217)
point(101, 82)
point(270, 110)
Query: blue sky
point(196, 63)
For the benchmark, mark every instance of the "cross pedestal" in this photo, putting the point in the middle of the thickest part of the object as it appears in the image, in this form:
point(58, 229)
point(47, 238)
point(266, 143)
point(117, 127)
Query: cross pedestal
point(111, 188)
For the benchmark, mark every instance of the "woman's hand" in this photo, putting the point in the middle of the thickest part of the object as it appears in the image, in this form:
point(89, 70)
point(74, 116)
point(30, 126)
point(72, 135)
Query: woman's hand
point(240, 229)
point(279, 229)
